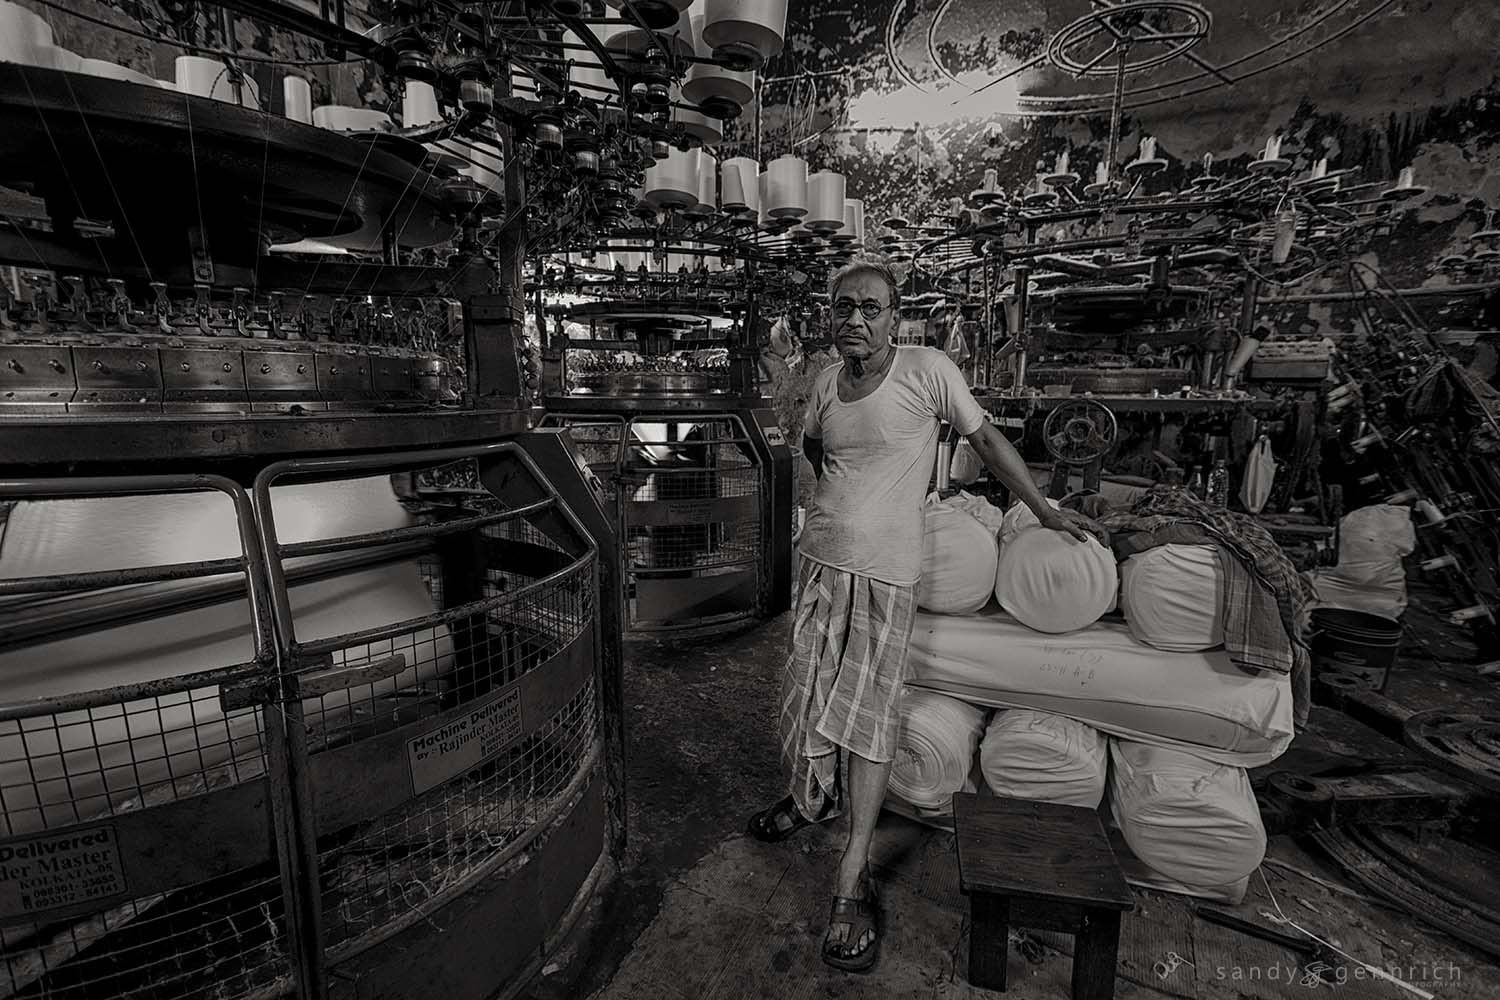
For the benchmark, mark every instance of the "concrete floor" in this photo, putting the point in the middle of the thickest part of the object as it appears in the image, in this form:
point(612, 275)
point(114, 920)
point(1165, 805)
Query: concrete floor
point(700, 910)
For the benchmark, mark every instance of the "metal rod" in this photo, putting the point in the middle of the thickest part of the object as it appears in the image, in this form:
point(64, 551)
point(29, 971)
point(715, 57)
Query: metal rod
point(391, 535)
point(1122, 50)
point(989, 329)
point(1406, 293)
point(101, 579)
point(1023, 304)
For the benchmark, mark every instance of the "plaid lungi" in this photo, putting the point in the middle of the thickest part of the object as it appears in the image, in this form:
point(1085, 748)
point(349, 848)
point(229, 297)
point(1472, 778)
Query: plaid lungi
point(841, 689)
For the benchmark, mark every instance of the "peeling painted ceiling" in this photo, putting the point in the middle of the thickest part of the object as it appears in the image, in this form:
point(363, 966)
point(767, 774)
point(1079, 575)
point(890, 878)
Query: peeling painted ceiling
point(894, 95)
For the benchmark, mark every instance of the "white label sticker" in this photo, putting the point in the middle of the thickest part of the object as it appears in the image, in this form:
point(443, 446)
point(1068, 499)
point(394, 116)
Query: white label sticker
point(774, 436)
point(465, 742)
point(57, 870)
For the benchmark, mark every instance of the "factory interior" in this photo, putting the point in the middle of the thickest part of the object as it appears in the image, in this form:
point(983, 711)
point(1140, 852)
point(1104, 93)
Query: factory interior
point(452, 545)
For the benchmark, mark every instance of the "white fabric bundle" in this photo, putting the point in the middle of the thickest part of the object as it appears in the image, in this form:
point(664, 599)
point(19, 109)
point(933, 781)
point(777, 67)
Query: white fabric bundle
point(934, 749)
point(1193, 823)
point(958, 561)
point(981, 510)
point(1369, 576)
point(1042, 756)
point(1172, 597)
point(1020, 517)
point(1108, 678)
point(1052, 582)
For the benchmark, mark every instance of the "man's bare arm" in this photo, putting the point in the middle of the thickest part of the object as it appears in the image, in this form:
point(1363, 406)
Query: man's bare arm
point(812, 448)
point(1001, 457)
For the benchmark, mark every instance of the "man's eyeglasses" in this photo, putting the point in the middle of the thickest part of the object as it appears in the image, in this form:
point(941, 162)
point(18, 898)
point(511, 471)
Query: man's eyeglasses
point(869, 309)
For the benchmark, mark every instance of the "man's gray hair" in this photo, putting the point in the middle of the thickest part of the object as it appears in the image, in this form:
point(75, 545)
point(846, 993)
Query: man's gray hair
point(865, 265)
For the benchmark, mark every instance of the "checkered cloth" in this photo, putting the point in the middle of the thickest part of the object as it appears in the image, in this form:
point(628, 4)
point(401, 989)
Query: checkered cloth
point(1267, 603)
point(841, 690)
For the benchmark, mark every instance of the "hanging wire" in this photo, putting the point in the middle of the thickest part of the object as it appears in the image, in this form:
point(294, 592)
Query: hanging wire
point(61, 162)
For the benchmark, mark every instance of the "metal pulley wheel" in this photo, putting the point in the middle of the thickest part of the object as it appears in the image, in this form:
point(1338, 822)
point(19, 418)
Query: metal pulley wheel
point(1080, 431)
point(1466, 746)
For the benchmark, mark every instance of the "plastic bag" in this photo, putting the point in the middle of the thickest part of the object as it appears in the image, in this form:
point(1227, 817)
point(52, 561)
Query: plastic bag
point(966, 465)
point(1260, 475)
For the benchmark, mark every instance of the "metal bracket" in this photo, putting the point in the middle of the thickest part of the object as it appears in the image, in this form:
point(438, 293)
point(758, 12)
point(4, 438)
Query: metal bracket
point(120, 303)
point(162, 306)
point(203, 310)
point(240, 310)
point(249, 693)
point(316, 683)
point(203, 264)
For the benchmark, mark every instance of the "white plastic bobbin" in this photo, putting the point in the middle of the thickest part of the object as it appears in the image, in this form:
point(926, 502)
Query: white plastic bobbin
point(673, 182)
point(750, 32)
point(825, 201)
point(854, 219)
point(746, 173)
point(787, 190)
point(722, 93)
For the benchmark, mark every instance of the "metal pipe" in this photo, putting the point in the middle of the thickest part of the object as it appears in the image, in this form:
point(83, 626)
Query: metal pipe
point(390, 535)
point(1406, 293)
point(1023, 275)
point(988, 354)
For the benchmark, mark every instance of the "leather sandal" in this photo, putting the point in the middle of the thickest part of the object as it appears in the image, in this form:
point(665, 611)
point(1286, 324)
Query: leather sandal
point(777, 823)
point(860, 915)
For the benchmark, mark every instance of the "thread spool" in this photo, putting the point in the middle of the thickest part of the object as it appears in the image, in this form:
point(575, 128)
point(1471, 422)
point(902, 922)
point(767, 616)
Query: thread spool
point(745, 33)
point(1429, 510)
point(787, 192)
point(747, 175)
point(734, 194)
point(673, 182)
point(419, 104)
point(854, 220)
point(296, 99)
point(825, 201)
point(708, 176)
point(720, 92)
point(24, 36)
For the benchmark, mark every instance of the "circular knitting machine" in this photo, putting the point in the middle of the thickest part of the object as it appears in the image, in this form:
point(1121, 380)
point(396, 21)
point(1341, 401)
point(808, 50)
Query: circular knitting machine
point(310, 670)
point(654, 375)
point(652, 335)
point(1073, 254)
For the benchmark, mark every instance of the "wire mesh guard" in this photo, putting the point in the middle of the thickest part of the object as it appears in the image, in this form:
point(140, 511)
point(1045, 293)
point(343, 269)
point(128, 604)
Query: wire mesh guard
point(599, 440)
point(135, 855)
point(692, 509)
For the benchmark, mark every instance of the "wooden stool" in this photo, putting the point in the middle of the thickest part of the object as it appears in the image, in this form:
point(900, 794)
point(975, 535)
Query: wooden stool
point(1040, 865)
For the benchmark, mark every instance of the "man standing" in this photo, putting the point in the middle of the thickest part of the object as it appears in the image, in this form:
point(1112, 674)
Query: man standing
point(871, 436)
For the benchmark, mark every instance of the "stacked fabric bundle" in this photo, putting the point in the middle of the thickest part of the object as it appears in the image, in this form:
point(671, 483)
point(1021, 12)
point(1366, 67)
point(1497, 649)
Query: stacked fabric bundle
point(1154, 718)
point(935, 750)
